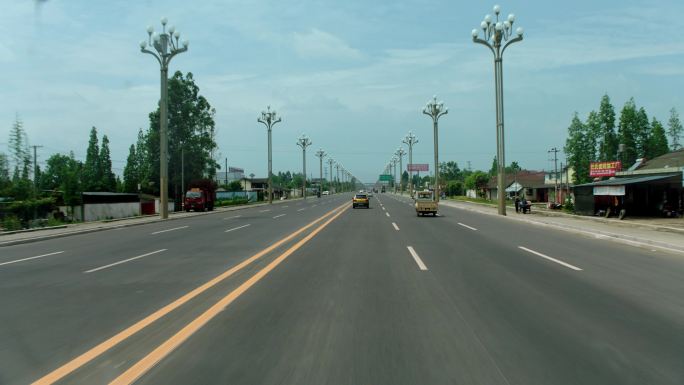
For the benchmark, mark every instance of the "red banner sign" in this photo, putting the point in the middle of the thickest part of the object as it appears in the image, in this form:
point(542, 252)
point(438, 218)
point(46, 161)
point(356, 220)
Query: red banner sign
point(599, 169)
point(417, 167)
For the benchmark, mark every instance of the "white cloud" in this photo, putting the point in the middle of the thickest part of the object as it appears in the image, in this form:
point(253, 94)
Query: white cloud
point(321, 44)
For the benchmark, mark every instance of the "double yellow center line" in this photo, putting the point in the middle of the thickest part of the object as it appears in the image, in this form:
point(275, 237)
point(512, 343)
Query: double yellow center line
point(144, 365)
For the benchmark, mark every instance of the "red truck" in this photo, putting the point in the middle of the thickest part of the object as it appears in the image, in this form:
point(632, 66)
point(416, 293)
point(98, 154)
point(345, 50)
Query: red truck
point(200, 196)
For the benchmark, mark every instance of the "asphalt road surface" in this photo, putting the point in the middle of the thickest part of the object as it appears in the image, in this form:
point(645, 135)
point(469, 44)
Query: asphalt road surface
point(314, 292)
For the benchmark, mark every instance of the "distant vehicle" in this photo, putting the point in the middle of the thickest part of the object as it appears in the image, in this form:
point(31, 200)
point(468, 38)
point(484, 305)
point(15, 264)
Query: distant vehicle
point(201, 195)
point(360, 200)
point(383, 189)
point(370, 194)
point(326, 192)
point(425, 203)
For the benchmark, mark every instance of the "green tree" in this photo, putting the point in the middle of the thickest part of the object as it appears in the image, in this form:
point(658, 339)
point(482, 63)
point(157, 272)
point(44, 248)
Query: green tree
point(607, 139)
point(108, 181)
point(578, 148)
point(143, 163)
point(449, 171)
point(513, 168)
point(494, 170)
point(63, 174)
point(130, 173)
point(92, 171)
point(658, 141)
point(674, 129)
point(235, 186)
point(627, 132)
point(5, 180)
point(191, 125)
point(642, 134)
point(477, 181)
point(593, 132)
point(454, 188)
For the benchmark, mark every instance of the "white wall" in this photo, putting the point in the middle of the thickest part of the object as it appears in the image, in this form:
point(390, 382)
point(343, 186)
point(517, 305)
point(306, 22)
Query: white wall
point(156, 206)
point(100, 211)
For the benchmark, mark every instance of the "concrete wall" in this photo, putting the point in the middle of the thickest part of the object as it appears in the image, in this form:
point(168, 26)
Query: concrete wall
point(100, 211)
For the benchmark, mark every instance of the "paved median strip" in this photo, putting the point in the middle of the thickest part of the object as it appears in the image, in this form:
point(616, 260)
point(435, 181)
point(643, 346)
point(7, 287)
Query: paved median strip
point(120, 262)
point(96, 351)
point(167, 230)
point(237, 228)
point(569, 266)
point(30, 258)
point(416, 258)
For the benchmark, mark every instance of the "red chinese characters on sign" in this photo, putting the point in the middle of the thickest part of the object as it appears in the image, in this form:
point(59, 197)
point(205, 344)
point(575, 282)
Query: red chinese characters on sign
point(418, 167)
point(599, 169)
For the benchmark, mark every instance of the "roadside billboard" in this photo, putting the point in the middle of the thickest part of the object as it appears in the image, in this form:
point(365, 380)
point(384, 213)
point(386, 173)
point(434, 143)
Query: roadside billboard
point(600, 169)
point(418, 167)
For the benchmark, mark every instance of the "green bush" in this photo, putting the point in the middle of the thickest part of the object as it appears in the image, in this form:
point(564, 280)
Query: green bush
point(568, 206)
point(11, 223)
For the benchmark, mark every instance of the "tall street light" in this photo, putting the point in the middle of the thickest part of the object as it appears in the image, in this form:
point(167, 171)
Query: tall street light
point(400, 154)
point(269, 119)
point(497, 36)
point(320, 154)
point(435, 110)
point(304, 142)
point(337, 167)
point(163, 46)
point(410, 140)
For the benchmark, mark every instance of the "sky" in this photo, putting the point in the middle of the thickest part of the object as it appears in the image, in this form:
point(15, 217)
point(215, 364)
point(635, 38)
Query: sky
point(352, 75)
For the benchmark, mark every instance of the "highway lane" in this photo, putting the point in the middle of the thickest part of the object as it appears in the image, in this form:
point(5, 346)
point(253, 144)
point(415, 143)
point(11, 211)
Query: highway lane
point(354, 307)
point(58, 310)
point(372, 298)
point(619, 320)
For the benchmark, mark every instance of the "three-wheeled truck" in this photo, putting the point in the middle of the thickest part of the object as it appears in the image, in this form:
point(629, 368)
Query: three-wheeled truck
point(425, 203)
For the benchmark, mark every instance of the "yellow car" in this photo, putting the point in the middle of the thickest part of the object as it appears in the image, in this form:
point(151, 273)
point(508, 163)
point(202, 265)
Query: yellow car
point(360, 200)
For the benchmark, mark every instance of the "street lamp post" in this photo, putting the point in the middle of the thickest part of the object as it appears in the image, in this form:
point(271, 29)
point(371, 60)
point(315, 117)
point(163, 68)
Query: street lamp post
point(400, 154)
point(410, 140)
point(435, 110)
point(304, 142)
point(337, 167)
point(497, 37)
point(320, 154)
point(269, 119)
point(163, 46)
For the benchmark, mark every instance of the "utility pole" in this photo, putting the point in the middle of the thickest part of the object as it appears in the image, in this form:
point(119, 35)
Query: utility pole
point(183, 176)
point(226, 172)
point(555, 171)
point(331, 161)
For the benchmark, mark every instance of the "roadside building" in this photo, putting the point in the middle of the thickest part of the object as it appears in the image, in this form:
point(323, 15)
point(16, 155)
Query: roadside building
point(524, 184)
point(260, 186)
point(649, 188)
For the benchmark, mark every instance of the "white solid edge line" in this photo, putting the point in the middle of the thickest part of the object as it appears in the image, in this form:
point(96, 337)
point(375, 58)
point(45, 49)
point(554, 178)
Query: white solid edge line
point(237, 228)
point(30, 258)
point(120, 262)
point(278, 216)
point(416, 258)
point(164, 231)
point(395, 226)
point(233, 217)
point(550, 259)
point(467, 227)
